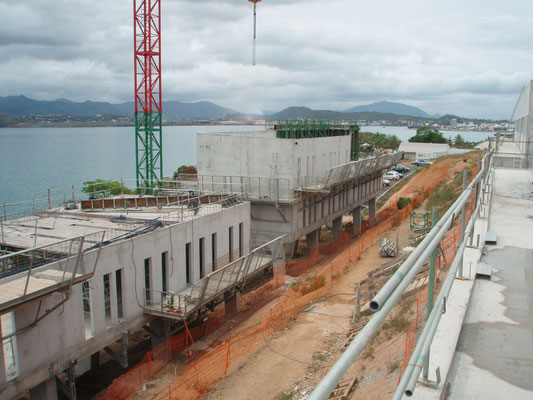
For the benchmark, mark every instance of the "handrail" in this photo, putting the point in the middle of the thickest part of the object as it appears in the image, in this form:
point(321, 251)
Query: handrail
point(217, 282)
point(393, 291)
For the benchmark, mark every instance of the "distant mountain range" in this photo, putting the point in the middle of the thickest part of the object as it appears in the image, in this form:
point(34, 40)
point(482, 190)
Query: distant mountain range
point(24, 106)
point(392, 108)
point(384, 110)
point(307, 113)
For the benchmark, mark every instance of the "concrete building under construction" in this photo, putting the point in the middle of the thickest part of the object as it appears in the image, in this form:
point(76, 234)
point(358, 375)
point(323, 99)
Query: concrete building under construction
point(74, 282)
point(298, 177)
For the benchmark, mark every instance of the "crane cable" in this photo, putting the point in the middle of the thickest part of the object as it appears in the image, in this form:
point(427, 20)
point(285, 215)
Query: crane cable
point(255, 26)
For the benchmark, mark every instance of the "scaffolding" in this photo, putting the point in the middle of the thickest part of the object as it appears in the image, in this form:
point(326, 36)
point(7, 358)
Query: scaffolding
point(304, 129)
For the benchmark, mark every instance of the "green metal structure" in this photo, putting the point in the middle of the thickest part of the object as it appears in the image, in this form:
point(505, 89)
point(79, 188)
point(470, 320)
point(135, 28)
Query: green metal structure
point(419, 220)
point(304, 129)
point(148, 150)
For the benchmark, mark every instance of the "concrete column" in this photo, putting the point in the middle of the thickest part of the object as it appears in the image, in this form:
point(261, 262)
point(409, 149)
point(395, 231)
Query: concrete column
point(372, 212)
point(291, 249)
point(161, 327)
point(312, 240)
point(356, 220)
point(337, 225)
point(232, 302)
point(95, 360)
point(45, 391)
point(278, 265)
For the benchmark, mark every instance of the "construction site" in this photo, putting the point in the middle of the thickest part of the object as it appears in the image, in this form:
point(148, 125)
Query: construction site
point(282, 269)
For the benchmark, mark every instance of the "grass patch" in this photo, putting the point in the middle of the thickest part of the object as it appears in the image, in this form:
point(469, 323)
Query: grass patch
point(310, 284)
point(442, 196)
point(286, 395)
point(393, 366)
point(397, 324)
point(369, 351)
point(319, 357)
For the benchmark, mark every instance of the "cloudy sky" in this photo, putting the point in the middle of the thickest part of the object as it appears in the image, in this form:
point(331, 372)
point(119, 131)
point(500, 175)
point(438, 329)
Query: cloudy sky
point(466, 57)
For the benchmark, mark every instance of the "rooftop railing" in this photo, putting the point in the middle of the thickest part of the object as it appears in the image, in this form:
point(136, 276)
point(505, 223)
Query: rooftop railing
point(181, 305)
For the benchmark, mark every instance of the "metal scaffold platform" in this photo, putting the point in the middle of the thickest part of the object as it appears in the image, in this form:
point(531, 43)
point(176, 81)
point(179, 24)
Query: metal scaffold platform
point(233, 276)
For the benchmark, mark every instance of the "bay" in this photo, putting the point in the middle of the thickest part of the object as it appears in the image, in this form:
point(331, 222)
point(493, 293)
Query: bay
point(404, 133)
point(33, 160)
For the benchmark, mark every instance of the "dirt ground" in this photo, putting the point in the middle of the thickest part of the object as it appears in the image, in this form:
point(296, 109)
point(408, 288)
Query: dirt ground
point(294, 360)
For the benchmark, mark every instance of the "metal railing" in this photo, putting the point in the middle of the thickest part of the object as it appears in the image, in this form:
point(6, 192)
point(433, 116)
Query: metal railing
point(395, 287)
point(41, 201)
point(262, 188)
point(356, 169)
point(60, 264)
point(181, 305)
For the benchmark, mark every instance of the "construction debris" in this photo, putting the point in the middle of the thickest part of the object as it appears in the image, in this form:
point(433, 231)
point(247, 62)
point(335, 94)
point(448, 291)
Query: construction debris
point(344, 390)
point(388, 248)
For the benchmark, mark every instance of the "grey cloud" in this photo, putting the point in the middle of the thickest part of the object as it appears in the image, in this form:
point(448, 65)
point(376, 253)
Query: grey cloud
point(445, 57)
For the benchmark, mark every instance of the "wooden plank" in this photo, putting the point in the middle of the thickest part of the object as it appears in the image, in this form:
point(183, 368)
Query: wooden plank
point(343, 390)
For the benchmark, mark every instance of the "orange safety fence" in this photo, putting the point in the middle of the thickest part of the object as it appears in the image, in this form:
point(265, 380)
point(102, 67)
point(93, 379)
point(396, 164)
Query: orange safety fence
point(448, 246)
point(204, 373)
point(323, 266)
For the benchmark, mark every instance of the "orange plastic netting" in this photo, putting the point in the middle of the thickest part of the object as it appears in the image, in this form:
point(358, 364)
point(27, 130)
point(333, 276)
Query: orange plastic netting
point(323, 266)
point(448, 247)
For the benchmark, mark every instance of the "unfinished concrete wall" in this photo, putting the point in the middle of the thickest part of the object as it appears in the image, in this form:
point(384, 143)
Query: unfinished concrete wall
point(46, 349)
point(311, 210)
point(261, 154)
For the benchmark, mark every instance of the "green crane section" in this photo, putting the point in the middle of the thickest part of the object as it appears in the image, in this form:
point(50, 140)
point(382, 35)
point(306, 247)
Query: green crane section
point(148, 156)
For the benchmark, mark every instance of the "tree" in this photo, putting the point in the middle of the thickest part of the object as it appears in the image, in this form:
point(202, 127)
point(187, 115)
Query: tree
point(425, 134)
point(185, 172)
point(459, 141)
point(379, 140)
point(102, 188)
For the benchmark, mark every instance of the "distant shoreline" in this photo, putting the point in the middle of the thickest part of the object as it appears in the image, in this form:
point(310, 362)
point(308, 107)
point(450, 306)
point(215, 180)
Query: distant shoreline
point(131, 125)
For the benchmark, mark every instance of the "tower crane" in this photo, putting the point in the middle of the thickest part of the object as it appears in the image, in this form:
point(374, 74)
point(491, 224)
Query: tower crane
point(148, 103)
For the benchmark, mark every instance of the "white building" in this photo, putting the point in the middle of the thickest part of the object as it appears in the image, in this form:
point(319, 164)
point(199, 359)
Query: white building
point(65, 295)
point(413, 151)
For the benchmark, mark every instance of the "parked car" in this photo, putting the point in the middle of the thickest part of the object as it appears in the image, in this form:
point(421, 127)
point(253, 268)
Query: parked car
point(401, 169)
point(386, 182)
point(392, 175)
point(421, 163)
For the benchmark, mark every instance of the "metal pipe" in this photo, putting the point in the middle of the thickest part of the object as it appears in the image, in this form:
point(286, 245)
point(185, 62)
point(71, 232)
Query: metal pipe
point(423, 358)
point(416, 362)
point(399, 275)
point(255, 29)
point(439, 229)
point(328, 383)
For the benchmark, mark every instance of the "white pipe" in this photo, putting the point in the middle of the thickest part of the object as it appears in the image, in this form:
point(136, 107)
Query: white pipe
point(415, 364)
point(399, 275)
point(328, 383)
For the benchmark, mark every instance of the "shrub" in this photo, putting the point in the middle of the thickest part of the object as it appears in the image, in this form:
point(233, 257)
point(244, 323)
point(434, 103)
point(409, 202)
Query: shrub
point(403, 202)
point(102, 188)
